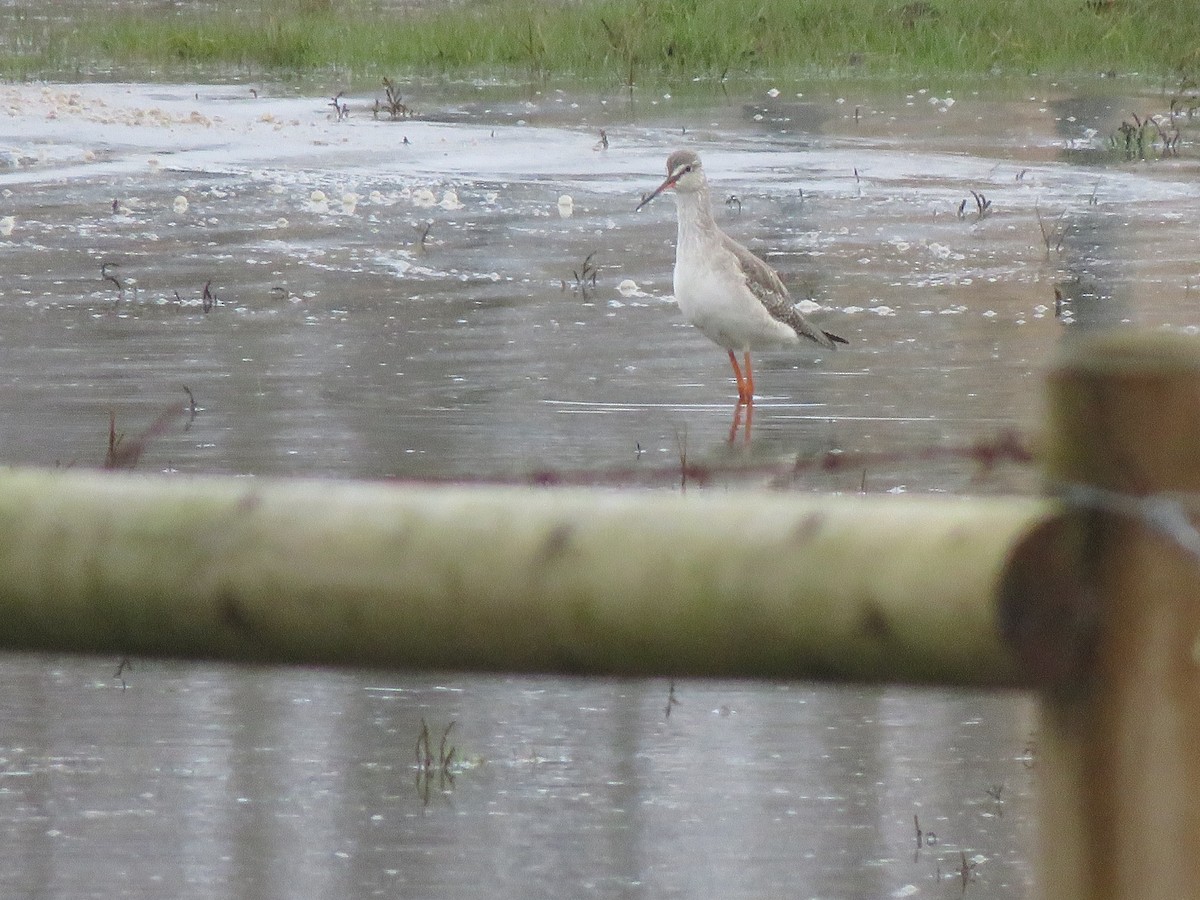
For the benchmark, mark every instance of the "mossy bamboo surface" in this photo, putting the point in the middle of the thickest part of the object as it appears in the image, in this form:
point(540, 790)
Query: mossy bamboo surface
point(599, 582)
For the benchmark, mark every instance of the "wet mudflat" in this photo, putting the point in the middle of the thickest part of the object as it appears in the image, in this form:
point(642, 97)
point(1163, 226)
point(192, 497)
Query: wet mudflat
point(408, 299)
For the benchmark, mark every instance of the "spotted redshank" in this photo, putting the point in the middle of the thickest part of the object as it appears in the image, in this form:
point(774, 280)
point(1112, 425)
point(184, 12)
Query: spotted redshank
point(733, 297)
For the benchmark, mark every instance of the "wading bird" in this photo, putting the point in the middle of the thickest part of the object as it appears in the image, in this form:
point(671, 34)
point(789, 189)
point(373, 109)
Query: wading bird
point(733, 297)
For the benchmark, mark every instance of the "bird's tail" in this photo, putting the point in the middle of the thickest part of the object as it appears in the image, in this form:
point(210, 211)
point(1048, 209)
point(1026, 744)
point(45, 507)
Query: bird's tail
point(826, 339)
point(837, 339)
point(806, 328)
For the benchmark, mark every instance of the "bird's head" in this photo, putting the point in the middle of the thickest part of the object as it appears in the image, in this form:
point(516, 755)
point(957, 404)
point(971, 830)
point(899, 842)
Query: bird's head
point(684, 174)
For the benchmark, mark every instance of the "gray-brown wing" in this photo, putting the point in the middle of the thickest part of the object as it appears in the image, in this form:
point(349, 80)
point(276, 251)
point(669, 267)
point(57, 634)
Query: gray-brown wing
point(767, 286)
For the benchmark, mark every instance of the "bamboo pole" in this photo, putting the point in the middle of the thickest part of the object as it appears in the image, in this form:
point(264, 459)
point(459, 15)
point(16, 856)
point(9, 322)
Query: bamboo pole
point(1118, 750)
point(371, 574)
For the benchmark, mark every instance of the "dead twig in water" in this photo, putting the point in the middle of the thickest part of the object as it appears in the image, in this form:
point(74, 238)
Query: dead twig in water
point(588, 271)
point(585, 276)
point(924, 839)
point(393, 105)
point(995, 792)
point(445, 757)
point(983, 206)
point(672, 700)
point(1186, 98)
point(425, 761)
point(423, 231)
point(111, 278)
point(1136, 137)
point(191, 408)
point(681, 447)
point(341, 109)
point(122, 667)
point(966, 871)
point(122, 454)
point(1054, 237)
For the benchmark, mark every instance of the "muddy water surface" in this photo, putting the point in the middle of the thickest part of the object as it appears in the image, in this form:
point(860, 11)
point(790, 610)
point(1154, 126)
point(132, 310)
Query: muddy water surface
point(409, 299)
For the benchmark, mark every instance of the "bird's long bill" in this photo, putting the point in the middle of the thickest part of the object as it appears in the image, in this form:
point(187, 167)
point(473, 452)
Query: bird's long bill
point(670, 182)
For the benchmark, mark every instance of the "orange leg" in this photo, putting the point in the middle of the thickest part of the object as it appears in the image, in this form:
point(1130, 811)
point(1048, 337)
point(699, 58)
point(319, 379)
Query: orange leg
point(749, 398)
point(737, 374)
point(737, 421)
point(745, 384)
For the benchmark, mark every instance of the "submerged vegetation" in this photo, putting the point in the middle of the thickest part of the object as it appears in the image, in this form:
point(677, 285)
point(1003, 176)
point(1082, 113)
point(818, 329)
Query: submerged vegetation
point(629, 40)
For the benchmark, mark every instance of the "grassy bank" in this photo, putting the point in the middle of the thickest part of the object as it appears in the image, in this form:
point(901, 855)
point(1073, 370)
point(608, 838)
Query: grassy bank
point(623, 40)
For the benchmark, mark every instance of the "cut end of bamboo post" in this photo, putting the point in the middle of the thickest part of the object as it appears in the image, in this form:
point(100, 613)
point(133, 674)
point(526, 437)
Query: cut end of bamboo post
point(1047, 607)
point(1130, 352)
point(1122, 409)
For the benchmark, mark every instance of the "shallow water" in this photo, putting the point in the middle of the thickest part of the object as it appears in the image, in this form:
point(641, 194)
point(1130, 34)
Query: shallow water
point(346, 340)
point(342, 344)
point(216, 782)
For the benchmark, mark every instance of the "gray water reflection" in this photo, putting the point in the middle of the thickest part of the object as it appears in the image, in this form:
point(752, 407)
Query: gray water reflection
point(203, 781)
point(342, 344)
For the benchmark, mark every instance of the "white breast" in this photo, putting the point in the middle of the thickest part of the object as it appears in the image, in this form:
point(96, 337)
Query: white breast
point(712, 294)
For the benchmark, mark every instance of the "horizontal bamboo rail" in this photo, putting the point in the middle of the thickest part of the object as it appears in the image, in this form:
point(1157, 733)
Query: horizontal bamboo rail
point(374, 574)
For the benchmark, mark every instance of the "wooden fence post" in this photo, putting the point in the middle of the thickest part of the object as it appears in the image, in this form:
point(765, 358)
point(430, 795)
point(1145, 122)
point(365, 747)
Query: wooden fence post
point(1119, 748)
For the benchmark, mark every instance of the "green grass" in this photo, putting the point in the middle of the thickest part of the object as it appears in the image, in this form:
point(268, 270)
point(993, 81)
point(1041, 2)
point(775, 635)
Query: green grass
point(642, 40)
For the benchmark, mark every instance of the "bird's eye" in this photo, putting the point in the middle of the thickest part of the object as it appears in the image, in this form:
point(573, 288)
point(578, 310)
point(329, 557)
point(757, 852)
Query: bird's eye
point(687, 169)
